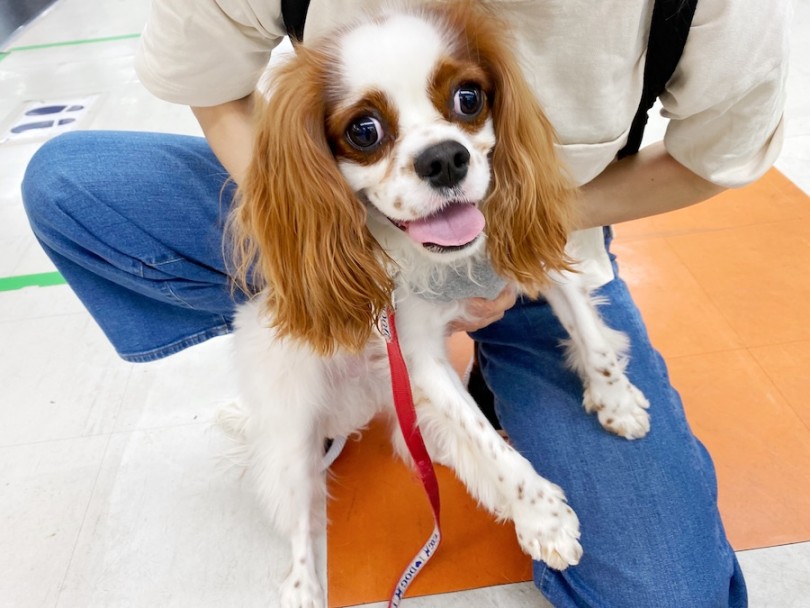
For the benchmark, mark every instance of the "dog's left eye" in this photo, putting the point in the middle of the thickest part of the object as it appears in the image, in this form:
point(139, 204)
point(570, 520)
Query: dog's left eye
point(365, 132)
point(468, 100)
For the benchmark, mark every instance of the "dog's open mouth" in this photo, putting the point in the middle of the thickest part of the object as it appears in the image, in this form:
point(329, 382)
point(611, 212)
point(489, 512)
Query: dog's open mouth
point(454, 227)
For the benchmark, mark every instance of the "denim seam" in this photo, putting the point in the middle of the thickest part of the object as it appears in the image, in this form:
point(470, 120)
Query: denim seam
point(175, 347)
point(166, 287)
point(149, 263)
point(156, 264)
point(170, 292)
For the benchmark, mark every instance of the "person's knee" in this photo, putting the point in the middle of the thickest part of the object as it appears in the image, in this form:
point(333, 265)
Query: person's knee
point(51, 174)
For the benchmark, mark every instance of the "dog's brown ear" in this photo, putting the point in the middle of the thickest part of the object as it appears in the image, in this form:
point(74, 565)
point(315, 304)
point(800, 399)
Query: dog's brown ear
point(529, 209)
point(300, 228)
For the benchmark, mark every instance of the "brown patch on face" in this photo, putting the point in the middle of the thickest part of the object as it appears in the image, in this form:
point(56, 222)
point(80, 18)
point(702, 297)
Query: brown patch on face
point(298, 226)
point(449, 76)
point(398, 205)
point(528, 211)
point(374, 104)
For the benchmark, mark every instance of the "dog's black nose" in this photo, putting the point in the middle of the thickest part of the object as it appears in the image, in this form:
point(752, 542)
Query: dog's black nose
point(443, 165)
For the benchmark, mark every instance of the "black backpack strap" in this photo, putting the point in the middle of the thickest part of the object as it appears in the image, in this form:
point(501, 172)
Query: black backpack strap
point(294, 14)
point(671, 20)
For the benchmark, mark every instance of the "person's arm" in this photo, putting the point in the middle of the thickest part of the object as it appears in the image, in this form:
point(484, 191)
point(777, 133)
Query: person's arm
point(228, 127)
point(645, 184)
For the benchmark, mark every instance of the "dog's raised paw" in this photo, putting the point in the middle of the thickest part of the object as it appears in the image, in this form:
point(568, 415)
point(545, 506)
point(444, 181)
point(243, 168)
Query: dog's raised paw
point(548, 529)
point(633, 424)
point(620, 407)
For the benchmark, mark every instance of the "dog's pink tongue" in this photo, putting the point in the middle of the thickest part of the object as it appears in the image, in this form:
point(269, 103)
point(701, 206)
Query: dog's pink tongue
point(456, 224)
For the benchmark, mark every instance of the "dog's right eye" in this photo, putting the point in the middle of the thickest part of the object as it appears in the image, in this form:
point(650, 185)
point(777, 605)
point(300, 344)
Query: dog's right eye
point(468, 100)
point(365, 133)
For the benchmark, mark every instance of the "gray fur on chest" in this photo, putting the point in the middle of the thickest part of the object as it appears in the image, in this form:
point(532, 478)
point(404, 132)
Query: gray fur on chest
point(478, 280)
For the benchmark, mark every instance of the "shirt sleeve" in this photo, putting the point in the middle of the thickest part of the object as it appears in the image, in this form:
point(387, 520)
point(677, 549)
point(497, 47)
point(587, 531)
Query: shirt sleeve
point(726, 99)
point(206, 52)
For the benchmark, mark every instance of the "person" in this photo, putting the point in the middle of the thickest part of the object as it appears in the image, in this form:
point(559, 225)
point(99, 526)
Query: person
point(134, 222)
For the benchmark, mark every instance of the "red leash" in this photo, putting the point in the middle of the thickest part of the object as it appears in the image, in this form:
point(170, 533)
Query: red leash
point(406, 414)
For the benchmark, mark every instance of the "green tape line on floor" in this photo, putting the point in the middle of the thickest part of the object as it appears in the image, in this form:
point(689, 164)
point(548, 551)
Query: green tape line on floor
point(36, 47)
point(45, 279)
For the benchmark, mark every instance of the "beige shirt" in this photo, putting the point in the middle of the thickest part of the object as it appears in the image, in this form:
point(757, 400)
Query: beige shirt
point(583, 58)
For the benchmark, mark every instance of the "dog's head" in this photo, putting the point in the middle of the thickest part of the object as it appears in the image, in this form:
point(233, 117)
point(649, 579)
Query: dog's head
point(408, 131)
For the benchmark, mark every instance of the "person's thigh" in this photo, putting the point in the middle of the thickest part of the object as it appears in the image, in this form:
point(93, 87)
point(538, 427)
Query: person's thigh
point(134, 221)
point(651, 531)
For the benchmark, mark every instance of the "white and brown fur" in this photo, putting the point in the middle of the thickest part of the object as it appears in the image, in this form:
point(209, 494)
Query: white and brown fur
point(316, 221)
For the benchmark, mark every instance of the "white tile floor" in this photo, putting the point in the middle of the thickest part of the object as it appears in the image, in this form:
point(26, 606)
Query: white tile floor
point(112, 492)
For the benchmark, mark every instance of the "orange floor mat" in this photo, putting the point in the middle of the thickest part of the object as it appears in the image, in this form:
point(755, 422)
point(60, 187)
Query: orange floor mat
point(724, 287)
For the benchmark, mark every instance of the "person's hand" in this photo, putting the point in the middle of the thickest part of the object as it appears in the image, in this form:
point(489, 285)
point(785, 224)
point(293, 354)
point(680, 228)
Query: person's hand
point(480, 312)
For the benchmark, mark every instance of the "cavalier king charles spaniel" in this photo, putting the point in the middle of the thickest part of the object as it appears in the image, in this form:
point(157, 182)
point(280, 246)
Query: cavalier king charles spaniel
point(396, 157)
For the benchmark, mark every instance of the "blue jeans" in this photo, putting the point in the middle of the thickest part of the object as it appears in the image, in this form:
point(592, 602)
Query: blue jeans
point(134, 222)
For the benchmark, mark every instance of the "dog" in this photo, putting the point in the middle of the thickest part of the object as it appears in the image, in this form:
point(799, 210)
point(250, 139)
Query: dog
point(404, 153)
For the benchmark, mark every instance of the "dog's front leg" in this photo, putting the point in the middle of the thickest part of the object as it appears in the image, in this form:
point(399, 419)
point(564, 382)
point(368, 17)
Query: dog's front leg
point(286, 466)
point(282, 385)
point(458, 435)
point(301, 587)
point(599, 355)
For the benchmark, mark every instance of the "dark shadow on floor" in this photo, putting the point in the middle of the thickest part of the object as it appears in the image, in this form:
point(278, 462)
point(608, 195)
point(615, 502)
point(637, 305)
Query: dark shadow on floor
point(16, 13)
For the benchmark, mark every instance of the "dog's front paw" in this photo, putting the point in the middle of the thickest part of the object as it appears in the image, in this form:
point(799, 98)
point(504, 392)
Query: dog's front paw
point(547, 528)
point(620, 407)
point(300, 590)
